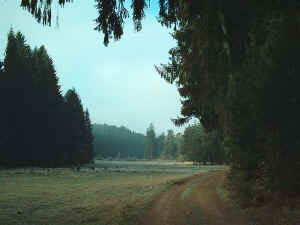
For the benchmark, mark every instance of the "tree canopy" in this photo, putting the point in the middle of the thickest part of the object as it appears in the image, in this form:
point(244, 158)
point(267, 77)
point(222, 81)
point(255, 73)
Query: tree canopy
point(111, 14)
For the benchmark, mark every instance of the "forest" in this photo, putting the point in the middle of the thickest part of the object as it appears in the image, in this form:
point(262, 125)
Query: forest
point(235, 65)
point(39, 126)
point(195, 144)
point(117, 142)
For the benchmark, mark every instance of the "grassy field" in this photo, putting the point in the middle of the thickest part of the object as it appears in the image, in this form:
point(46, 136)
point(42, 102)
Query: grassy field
point(111, 195)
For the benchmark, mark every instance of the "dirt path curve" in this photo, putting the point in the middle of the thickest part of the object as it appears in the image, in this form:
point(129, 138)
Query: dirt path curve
point(193, 201)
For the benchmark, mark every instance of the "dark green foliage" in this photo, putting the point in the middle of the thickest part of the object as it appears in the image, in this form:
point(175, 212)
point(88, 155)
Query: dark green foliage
point(80, 144)
point(165, 147)
point(117, 142)
point(179, 146)
point(38, 125)
point(88, 137)
point(160, 145)
point(111, 14)
point(41, 9)
point(170, 147)
point(1, 67)
point(192, 144)
point(150, 143)
point(236, 66)
point(202, 146)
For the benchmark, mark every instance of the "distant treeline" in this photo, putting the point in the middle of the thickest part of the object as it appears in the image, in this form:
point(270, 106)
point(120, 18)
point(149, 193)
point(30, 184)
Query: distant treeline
point(195, 144)
point(162, 146)
point(202, 146)
point(39, 126)
point(117, 142)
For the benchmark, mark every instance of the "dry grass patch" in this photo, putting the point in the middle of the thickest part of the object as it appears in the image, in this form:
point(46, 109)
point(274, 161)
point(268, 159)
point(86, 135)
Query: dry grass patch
point(65, 197)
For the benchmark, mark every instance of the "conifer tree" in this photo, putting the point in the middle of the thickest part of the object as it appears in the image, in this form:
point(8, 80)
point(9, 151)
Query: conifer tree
point(88, 137)
point(170, 145)
point(38, 126)
point(160, 143)
point(76, 127)
point(17, 86)
point(47, 101)
point(150, 145)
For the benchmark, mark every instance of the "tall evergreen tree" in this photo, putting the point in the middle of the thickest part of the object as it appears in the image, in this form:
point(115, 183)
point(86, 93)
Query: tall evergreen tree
point(47, 101)
point(3, 115)
point(160, 143)
point(88, 138)
point(17, 86)
point(170, 145)
point(179, 145)
point(37, 125)
point(150, 143)
point(76, 126)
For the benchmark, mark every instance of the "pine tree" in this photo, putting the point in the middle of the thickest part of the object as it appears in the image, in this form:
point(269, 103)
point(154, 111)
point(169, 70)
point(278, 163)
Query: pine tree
point(160, 143)
point(179, 143)
point(3, 116)
point(88, 138)
point(38, 126)
point(170, 145)
point(150, 144)
point(76, 127)
point(17, 86)
point(48, 103)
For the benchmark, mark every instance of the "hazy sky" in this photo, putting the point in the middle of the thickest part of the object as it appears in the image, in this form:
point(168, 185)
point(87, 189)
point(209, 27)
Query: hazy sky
point(118, 83)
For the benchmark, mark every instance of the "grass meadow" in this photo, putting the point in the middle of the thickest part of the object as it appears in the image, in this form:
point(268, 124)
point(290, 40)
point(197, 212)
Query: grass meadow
point(115, 193)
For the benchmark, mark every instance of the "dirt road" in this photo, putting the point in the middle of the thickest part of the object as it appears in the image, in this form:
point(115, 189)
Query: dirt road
point(194, 201)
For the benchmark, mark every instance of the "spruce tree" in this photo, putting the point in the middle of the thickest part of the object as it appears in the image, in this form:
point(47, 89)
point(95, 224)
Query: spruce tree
point(160, 143)
point(170, 145)
point(150, 144)
point(88, 138)
point(76, 127)
point(18, 89)
point(48, 114)
point(38, 126)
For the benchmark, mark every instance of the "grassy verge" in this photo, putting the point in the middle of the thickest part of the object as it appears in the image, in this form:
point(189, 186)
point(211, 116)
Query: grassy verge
point(65, 197)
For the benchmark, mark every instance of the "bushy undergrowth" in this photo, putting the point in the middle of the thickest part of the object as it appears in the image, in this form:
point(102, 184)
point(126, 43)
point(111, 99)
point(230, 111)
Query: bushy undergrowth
point(263, 207)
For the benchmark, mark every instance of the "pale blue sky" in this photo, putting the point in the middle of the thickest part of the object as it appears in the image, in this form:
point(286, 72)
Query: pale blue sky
point(118, 83)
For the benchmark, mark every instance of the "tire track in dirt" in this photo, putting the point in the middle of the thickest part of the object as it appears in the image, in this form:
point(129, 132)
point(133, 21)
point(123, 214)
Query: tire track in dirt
point(193, 201)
